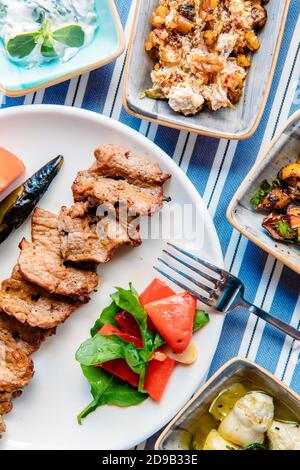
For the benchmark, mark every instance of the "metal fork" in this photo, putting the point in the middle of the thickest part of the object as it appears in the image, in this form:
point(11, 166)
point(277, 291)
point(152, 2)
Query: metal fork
point(226, 292)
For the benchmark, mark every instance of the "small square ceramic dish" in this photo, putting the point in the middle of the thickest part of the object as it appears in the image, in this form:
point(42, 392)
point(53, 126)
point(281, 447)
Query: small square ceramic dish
point(108, 44)
point(240, 123)
point(284, 149)
point(236, 370)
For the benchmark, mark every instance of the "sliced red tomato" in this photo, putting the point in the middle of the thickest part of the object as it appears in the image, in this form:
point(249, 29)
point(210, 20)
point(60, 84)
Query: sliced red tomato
point(157, 377)
point(119, 368)
point(173, 317)
point(128, 324)
point(155, 291)
point(108, 330)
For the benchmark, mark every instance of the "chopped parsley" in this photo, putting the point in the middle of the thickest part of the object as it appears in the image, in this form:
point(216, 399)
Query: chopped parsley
point(285, 230)
point(264, 189)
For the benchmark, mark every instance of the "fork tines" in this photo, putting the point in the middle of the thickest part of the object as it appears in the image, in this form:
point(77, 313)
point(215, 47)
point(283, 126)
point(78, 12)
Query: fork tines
point(192, 269)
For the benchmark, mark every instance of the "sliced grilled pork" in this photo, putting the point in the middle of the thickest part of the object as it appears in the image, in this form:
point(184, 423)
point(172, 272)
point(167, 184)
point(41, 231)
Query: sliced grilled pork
point(118, 162)
point(41, 263)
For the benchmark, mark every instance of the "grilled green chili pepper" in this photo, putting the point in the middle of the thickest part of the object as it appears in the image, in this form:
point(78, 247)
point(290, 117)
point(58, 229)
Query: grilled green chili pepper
point(18, 205)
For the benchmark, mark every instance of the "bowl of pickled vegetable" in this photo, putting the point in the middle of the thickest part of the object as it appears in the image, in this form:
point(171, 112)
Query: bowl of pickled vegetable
point(242, 407)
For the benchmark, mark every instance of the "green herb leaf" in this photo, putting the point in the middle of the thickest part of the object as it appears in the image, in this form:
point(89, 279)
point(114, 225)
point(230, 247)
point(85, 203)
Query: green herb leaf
point(72, 35)
point(128, 300)
point(264, 189)
point(107, 316)
point(100, 349)
point(108, 390)
point(201, 319)
point(255, 446)
point(22, 45)
point(47, 49)
point(285, 230)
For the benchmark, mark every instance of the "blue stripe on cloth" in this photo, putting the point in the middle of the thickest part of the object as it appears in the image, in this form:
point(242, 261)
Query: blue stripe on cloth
point(283, 305)
point(203, 155)
point(56, 94)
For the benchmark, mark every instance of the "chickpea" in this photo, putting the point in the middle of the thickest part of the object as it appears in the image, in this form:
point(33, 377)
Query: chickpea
point(243, 61)
point(252, 41)
point(159, 17)
point(209, 37)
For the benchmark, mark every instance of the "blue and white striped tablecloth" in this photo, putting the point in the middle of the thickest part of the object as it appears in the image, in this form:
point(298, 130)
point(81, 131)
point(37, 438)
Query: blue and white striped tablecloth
point(217, 167)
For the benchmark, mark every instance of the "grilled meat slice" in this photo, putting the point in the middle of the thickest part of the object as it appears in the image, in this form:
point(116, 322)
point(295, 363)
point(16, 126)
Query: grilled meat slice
point(32, 307)
point(41, 262)
point(112, 193)
point(31, 337)
point(118, 162)
point(16, 367)
point(89, 238)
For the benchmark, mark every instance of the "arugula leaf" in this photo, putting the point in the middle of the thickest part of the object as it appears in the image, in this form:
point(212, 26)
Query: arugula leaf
point(264, 189)
point(107, 316)
point(201, 319)
point(108, 390)
point(22, 45)
point(285, 230)
point(72, 35)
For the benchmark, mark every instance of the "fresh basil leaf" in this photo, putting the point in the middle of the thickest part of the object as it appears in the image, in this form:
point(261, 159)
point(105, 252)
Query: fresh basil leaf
point(47, 49)
point(108, 390)
point(100, 349)
point(201, 319)
point(72, 35)
point(107, 316)
point(22, 45)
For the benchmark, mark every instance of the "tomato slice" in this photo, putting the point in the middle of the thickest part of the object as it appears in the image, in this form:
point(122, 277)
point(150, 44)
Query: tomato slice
point(128, 324)
point(119, 368)
point(155, 291)
point(157, 377)
point(108, 330)
point(173, 317)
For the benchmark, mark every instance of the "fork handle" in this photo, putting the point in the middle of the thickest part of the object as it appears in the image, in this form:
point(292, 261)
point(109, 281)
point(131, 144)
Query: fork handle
point(280, 325)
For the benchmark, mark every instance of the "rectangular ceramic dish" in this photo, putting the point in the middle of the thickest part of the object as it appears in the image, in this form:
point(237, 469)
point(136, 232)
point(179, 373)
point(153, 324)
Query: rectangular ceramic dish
point(108, 44)
point(284, 149)
point(240, 123)
point(235, 370)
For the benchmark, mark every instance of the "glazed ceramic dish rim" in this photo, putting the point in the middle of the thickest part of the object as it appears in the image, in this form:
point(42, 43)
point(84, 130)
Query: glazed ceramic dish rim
point(238, 359)
point(259, 163)
point(14, 93)
point(165, 122)
point(149, 147)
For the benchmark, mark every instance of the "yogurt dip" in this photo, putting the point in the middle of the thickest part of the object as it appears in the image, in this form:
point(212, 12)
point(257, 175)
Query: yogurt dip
point(19, 17)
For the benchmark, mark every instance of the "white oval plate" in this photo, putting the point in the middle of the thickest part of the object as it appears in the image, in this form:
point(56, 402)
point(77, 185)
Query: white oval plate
point(44, 417)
